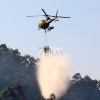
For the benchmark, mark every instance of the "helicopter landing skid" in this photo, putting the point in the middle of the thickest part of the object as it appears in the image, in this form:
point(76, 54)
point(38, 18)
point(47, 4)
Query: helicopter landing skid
point(49, 29)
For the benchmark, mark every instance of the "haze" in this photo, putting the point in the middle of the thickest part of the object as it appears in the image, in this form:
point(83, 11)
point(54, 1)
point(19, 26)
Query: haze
point(79, 36)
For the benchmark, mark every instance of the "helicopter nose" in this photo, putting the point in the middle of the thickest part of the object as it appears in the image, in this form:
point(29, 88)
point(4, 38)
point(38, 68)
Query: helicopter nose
point(39, 25)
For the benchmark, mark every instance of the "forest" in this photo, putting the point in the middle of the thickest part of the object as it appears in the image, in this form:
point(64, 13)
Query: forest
point(18, 79)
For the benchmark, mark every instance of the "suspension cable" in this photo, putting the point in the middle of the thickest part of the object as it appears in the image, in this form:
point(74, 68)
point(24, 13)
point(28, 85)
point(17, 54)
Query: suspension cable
point(45, 39)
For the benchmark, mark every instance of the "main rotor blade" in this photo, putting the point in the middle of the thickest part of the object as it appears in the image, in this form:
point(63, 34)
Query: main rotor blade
point(44, 12)
point(59, 16)
point(63, 17)
point(36, 16)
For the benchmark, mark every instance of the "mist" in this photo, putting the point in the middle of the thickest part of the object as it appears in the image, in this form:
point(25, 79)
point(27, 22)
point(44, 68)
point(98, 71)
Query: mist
point(52, 75)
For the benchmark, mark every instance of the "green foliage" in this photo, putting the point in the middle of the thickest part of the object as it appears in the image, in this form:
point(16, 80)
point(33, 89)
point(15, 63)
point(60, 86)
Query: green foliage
point(98, 85)
point(16, 92)
point(17, 69)
point(83, 89)
point(7, 94)
point(77, 77)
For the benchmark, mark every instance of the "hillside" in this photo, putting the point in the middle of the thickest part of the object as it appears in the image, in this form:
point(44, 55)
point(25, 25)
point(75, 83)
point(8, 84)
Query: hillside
point(18, 71)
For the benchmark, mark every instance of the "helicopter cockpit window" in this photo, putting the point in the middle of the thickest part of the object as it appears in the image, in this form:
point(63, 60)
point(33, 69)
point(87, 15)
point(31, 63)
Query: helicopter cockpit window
point(42, 21)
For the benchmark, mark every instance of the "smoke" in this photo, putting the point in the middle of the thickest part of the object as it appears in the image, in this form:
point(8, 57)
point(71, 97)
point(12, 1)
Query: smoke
point(52, 75)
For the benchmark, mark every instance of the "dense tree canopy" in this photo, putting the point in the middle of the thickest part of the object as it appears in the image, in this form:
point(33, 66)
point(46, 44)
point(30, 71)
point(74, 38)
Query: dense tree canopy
point(16, 92)
point(18, 79)
point(17, 69)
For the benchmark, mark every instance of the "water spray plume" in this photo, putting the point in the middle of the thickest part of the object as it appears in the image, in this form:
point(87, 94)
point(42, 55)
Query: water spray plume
point(52, 75)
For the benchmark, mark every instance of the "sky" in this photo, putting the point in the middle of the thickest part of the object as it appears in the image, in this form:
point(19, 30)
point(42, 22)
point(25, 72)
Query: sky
point(79, 36)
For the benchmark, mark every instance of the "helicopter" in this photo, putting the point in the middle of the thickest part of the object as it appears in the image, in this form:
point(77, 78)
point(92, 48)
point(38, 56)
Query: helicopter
point(44, 24)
